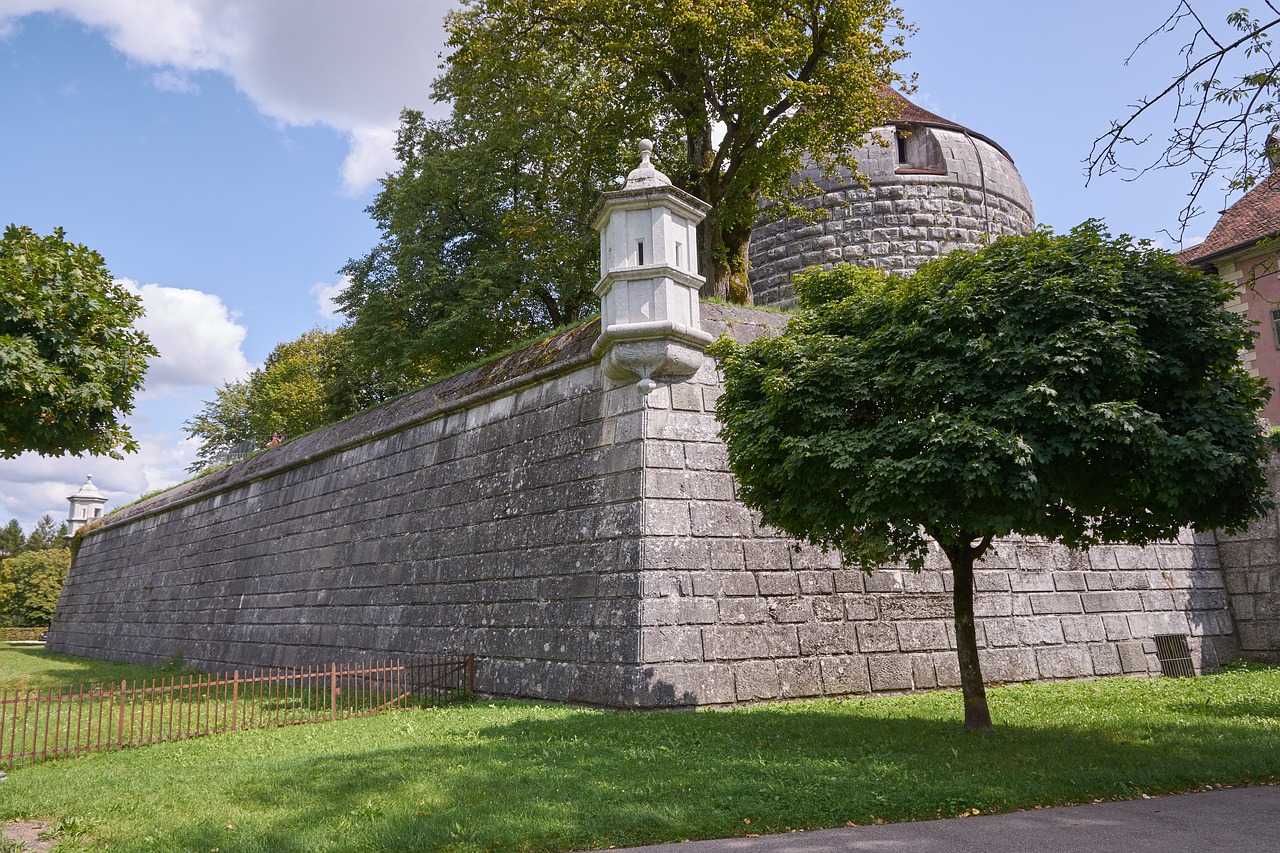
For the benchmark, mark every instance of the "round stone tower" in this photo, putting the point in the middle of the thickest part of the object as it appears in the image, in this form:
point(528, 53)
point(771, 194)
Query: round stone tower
point(935, 187)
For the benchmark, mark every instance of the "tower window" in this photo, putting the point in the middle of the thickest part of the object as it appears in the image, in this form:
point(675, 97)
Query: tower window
point(640, 253)
point(918, 150)
point(679, 255)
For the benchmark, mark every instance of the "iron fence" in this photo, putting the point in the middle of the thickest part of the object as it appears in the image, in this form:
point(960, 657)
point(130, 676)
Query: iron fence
point(38, 725)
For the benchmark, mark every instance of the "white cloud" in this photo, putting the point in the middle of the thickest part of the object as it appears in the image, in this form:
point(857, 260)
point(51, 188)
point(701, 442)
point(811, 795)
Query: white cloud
point(326, 294)
point(349, 66)
point(200, 344)
point(198, 338)
point(370, 156)
point(173, 81)
point(32, 486)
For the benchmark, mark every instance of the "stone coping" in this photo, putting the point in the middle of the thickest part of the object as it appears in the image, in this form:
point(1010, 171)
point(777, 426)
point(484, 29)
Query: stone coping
point(538, 362)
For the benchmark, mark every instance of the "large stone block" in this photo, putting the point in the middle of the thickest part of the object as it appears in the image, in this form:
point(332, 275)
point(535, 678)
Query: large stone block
point(757, 680)
point(1110, 602)
point(877, 637)
point(666, 518)
point(1133, 659)
point(727, 642)
point(1031, 581)
point(1083, 629)
point(767, 554)
point(845, 676)
point(670, 644)
point(1064, 662)
point(1049, 603)
point(796, 609)
point(890, 672)
point(1039, 631)
point(745, 610)
point(1106, 659)
point(799, 678)
point(778, 583)
point(674, 685)
point(1001, 666)
point(922, 636)
point(908, 606)
point(922, 672)
point(827, 639)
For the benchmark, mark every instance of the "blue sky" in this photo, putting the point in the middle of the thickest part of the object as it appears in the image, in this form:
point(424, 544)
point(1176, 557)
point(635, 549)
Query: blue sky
point(220, 154)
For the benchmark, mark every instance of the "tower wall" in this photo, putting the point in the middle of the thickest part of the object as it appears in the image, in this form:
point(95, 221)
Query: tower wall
point(948, 190)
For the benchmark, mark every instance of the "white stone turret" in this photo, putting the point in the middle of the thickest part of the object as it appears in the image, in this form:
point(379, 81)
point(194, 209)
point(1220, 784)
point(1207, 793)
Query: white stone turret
point(650, 324)
point(86, 506)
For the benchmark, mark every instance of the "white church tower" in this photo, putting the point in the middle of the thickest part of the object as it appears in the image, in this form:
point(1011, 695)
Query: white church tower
point(650, 323)
point(86, 506)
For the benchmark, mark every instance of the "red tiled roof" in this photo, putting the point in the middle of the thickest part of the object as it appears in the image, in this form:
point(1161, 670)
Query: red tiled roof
point(908, 113)
point(1255, 216)
point(905, 112)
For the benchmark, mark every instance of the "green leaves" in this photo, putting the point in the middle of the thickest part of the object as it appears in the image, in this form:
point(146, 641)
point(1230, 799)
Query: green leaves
point(1073, 387)
point(30, 584)
point(305, 384)
point(736, 93)
point(70, 359)
point(485, 239)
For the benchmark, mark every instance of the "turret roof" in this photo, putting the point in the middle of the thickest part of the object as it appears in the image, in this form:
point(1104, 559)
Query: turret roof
point(88, 492)
point(906, 112)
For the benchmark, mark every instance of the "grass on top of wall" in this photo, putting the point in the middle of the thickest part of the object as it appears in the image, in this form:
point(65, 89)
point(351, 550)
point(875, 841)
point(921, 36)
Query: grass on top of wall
point(516, 776)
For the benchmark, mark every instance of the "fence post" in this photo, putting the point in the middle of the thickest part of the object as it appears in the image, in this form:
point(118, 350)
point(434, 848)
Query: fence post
point(333, 691)
point(235, 697)
point(120, 723)
point(471, 674)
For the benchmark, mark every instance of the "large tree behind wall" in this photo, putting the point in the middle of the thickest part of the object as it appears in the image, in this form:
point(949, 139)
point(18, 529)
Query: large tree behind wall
point(1070, 387)
point(486, 236)
point(30, 584)
point(305, 384)
point(736, 92)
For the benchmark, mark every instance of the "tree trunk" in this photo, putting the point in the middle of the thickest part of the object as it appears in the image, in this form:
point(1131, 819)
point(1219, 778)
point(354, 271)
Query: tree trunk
point(723, 261)
point(962, 555)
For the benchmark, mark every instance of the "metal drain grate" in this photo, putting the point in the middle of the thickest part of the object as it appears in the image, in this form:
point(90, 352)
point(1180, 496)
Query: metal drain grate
point(1175, 657)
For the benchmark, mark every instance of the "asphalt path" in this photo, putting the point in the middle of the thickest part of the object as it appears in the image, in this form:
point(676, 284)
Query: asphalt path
point(1240, 820)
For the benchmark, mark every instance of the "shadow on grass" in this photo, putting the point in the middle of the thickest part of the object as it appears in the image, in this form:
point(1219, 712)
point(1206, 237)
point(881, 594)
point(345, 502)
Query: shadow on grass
point(42, 669)
point(575, 779)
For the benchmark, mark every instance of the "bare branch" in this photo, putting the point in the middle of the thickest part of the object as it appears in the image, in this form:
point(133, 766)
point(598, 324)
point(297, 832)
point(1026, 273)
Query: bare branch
point(1218, 116)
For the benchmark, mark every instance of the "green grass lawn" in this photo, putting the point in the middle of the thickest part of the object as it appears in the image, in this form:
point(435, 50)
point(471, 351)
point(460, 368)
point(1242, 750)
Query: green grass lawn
point(24, 666)
point(525, 776)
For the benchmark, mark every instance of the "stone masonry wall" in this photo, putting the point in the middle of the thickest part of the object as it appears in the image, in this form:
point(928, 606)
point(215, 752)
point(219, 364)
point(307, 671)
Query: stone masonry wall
point(733, 613)
point(899, 221)
point(585, 543)
point(1251, 572)
point(505, 526)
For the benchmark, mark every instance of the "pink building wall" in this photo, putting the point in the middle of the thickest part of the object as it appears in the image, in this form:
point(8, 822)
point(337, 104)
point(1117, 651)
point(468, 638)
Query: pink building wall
point(1258, 287)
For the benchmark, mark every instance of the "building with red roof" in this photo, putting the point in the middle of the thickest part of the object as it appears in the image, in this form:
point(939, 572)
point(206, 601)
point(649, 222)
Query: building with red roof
point(1243, 249)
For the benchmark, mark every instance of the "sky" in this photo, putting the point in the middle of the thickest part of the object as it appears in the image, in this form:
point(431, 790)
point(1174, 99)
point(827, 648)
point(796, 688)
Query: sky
point(220, 154)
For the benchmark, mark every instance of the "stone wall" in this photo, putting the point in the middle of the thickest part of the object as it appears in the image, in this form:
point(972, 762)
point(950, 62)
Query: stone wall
point(733, 613)
point(1251, 572)
point(585, 543)
point(900, 220)
point(497, 514)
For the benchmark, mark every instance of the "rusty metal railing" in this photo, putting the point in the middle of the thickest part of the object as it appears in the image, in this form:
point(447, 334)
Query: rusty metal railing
point(39, 725)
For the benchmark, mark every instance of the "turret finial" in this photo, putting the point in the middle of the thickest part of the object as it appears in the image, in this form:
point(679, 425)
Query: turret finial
point(645, 175)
